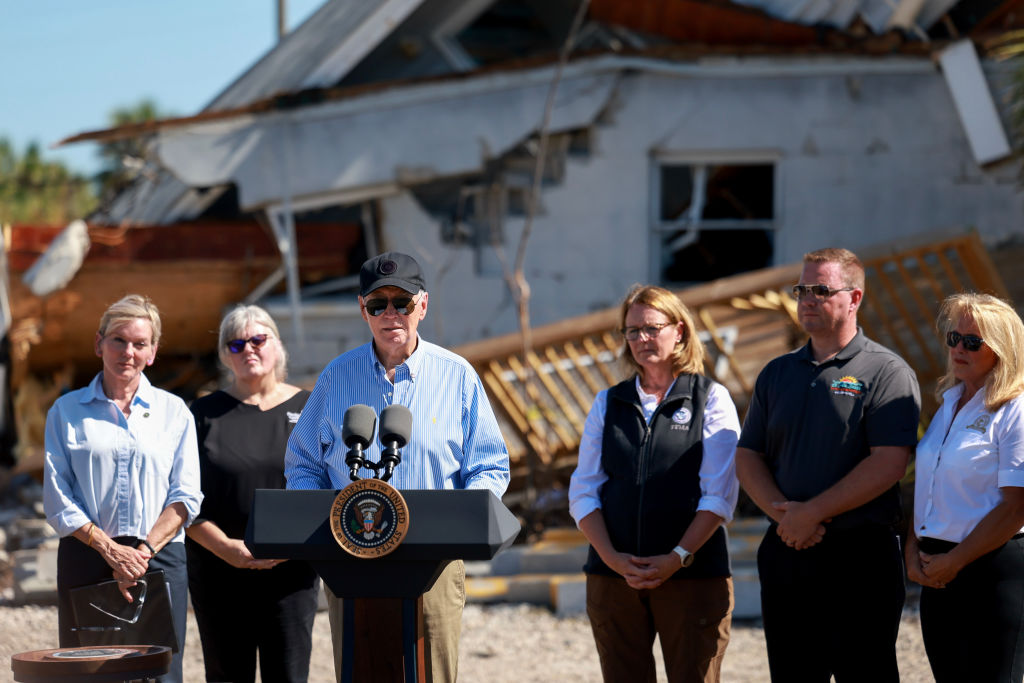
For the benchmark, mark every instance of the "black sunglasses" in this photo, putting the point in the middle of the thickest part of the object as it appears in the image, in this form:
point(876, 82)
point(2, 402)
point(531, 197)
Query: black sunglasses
point(403, 304)
point(971, 342)
point(819, 291)
point(238, 345)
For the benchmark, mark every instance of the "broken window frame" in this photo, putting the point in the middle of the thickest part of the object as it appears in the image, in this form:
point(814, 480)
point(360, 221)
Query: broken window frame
point(700, 162)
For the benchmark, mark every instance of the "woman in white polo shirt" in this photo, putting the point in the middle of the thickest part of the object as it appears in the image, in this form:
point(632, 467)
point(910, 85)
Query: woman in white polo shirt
point(967, 547)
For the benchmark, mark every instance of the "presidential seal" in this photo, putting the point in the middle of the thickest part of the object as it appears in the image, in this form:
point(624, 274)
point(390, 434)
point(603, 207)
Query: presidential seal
point(369, 518)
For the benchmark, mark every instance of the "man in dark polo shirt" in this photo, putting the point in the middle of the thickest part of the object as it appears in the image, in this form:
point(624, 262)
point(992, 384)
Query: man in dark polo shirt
point(829, 432)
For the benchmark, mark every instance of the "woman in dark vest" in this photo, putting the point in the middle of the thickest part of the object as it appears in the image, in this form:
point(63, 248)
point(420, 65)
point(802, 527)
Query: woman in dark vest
point(656, 480)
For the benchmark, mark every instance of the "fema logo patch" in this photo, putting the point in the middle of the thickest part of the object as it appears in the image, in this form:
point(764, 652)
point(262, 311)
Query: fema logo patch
point(848, 386)
point(369, 518)
point(682, 416)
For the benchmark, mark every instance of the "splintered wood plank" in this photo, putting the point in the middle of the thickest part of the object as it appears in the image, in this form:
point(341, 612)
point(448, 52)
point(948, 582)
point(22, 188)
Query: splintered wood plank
point(709, 325)
point(540, 410)
point(930, 278)
point(979, 266)
point(573, 386)
point(577, 360)
point(875, 305)
point(594, 353)
point(915, 331)
point(558, 397)
point(947, 267)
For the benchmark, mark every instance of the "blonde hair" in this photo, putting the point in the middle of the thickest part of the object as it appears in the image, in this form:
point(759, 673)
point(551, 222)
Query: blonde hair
point(234, 324)
point(853, 269)
point(1003, 332)
point(688, 355)
point(129, 308)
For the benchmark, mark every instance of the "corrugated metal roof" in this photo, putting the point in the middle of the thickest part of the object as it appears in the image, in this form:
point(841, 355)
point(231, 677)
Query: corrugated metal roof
point(877, 14)
point(317, 53)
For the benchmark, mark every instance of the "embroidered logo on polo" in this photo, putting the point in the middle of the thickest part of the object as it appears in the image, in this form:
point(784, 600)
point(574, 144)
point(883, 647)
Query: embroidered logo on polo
point(848, 386)
point(980, 425)
point(292, 417)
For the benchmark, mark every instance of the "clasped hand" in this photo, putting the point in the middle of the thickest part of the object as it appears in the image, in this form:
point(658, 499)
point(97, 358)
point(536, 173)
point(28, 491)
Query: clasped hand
point(934, 571)
point(799, 526)
point(645, 572)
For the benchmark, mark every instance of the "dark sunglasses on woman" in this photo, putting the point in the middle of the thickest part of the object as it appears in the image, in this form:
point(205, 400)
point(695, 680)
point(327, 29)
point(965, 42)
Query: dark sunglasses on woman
point(971, 342)
point(238, 345)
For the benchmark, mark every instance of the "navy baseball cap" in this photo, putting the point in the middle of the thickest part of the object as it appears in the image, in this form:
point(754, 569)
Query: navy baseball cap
point(391, 269)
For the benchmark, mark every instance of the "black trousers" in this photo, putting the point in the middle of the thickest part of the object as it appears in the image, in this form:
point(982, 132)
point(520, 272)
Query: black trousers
point(833, 609)
point(80, 565)
point(974, 627)
point(242, 612)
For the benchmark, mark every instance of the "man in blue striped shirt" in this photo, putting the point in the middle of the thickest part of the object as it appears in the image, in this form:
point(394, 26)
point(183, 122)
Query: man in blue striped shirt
point(455, 442)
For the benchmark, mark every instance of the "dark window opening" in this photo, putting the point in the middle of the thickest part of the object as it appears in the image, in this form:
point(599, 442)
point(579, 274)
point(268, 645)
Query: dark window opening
point(714, 220)
point(513, 29)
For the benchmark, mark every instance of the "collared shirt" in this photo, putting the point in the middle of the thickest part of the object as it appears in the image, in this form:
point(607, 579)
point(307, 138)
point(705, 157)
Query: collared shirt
point(963, 460)
point(455, 441)
point(718, 486)
point(115, 471)
point(814, 422)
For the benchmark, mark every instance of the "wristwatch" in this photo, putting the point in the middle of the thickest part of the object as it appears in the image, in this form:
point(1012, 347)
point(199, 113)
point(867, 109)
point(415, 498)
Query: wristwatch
point(685, 556)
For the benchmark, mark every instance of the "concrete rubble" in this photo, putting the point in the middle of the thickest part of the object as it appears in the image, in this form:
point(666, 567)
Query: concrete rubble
point(28, 545)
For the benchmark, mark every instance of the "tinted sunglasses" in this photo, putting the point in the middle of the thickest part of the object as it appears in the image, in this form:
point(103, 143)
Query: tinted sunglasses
point(238, 345)
point(971, 342)
point(403, 304)
point(819, 291)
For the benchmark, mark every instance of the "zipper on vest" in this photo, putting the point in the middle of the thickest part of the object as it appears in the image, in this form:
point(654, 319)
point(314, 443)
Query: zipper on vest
point(641, 472)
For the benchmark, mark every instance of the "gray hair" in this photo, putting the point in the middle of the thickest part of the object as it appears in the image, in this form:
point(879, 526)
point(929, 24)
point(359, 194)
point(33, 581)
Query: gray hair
point(233, 325)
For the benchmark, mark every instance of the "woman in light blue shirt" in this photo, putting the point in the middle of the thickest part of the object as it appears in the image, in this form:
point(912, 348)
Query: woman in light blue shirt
point(121, 475)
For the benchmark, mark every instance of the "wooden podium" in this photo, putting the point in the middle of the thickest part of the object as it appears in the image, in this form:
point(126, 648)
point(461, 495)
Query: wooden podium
point(382, 632)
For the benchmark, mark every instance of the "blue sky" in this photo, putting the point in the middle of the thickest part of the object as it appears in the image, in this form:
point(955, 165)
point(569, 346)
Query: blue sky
point(65, 64)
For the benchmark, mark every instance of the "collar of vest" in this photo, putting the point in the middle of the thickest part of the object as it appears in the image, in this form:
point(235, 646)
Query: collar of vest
point(626, 390)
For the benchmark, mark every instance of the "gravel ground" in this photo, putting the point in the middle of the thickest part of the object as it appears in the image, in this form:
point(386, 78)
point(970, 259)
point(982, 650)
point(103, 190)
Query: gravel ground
point(499, 643)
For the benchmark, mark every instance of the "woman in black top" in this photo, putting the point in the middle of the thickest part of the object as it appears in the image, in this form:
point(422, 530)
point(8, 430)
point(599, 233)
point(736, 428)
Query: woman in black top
point(244, 605)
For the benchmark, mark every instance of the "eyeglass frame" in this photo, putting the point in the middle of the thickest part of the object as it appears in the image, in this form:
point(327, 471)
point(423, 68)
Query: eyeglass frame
point(642, 329)
point(140, 601)
point(955, 339)
point(257, 340)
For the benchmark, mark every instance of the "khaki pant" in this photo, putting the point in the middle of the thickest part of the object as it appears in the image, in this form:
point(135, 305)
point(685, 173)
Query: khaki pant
point(692, 617)
point(442, 624)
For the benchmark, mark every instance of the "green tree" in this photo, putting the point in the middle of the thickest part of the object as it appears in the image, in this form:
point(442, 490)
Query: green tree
point(33, 190)
point(124, 159)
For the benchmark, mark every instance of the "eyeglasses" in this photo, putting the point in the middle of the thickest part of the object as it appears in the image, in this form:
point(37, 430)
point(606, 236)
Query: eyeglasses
point(238, 345)
point(971, 342)
point(403, 304)
point(820, 292)
point(648, 331)
point(140, 600)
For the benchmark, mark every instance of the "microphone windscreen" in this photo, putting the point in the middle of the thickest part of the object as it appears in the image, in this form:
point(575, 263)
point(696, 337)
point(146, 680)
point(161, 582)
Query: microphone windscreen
point(395, 425)
point(358, 425)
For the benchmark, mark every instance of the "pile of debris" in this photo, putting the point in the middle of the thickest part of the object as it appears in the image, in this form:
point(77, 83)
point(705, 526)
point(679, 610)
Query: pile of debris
point(28, 544)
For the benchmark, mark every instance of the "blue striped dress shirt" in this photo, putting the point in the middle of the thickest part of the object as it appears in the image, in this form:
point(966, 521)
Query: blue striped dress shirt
point(455, 442)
